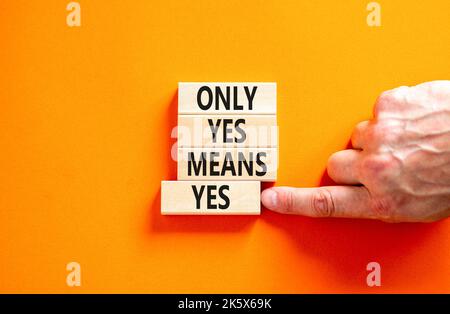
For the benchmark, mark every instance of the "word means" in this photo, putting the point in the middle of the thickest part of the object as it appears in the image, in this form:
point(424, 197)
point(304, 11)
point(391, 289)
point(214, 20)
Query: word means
point(229, 165)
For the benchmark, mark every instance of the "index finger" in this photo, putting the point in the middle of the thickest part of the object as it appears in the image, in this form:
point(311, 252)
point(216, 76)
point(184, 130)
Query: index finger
point(327, 201)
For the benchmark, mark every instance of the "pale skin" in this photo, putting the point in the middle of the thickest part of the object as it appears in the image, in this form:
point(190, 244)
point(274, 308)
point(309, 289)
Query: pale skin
point(398, 169)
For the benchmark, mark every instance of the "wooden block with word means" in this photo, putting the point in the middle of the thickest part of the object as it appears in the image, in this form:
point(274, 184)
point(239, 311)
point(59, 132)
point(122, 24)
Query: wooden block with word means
point(254, 164)
point(227, 131)
point(210, 198)
point(227, 98)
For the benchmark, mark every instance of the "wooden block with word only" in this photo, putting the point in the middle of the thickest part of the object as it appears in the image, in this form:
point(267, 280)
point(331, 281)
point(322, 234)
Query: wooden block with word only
point(227, 98)
point(227, 131)
point(254, 164)
point(210, 198)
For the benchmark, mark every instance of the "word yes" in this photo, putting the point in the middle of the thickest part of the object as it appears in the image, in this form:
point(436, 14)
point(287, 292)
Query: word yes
point(211, 196)
point(226, 130)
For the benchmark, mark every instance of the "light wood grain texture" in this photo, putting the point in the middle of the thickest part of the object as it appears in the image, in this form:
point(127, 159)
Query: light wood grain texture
point(227, 98)
point(227, 131)
point(259, 164)
point(210, 198)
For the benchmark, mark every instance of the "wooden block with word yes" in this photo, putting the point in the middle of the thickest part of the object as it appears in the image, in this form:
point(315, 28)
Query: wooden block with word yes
point(210, 198)
point(227, 98)
point(227, 131)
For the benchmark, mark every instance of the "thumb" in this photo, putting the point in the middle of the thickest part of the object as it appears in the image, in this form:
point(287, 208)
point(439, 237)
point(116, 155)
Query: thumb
point(329, 201)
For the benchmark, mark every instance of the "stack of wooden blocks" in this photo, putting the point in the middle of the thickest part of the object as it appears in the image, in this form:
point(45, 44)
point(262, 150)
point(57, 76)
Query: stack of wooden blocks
point(227, 145)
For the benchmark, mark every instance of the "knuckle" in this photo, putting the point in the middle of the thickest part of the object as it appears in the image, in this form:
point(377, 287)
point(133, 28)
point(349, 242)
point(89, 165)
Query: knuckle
point(377, 132)
point(386, 96)
point(288, 202)
point(388, 99)
point(383, 102)
point(386, 131)
point(375, 165)
point(398, 94)
point(439, 89)
point(382, 209)
point(322, 203)
point(361, 127)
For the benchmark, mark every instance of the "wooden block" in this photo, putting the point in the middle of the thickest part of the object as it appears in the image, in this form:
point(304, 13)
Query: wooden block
point(227, 131)
point(210, 198)
point(254, 164)
point(227, 98)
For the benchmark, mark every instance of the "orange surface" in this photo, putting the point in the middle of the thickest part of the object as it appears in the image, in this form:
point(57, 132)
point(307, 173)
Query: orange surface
point(85, 120)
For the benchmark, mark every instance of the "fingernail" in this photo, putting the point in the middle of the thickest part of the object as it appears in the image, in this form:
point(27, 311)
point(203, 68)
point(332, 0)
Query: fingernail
point(270, 198)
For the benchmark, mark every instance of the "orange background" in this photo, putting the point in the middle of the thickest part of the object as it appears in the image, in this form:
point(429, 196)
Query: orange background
point(86, 115)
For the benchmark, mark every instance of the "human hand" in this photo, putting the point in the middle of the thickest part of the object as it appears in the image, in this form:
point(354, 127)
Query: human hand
point(399, 169)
